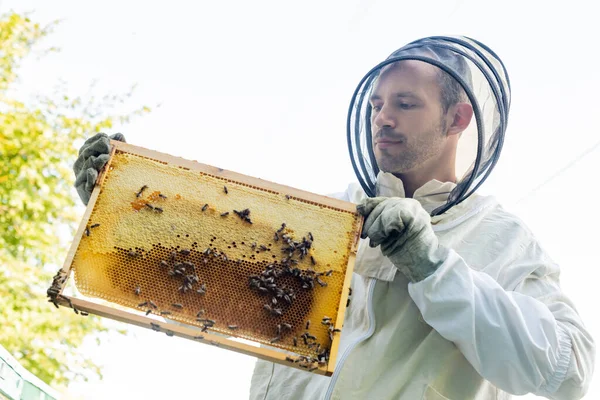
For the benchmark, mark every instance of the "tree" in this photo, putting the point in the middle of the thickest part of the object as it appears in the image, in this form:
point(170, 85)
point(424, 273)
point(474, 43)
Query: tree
point(37, 202)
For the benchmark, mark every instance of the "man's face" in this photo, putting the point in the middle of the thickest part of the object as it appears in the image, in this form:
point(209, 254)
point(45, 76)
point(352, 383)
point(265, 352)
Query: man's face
point(407, 119)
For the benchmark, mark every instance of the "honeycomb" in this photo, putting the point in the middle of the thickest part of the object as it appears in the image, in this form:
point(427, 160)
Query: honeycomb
point(216, 253)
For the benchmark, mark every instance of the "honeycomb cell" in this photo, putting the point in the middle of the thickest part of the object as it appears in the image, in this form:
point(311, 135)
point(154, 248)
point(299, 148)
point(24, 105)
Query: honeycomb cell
point(173, 256)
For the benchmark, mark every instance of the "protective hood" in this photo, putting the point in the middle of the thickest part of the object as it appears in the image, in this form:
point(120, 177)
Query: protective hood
point(481, 74)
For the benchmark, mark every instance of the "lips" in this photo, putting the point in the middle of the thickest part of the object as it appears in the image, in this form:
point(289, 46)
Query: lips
point(382, 144)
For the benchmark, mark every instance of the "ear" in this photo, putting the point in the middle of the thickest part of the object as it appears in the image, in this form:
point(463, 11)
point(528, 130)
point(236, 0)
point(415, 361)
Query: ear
point(460, 117)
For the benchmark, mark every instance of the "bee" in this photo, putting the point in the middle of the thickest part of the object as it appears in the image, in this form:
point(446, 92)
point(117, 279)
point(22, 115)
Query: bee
point(83, 313)
point(320, 282)
point(328, 273)
point(144, 304)
point(155, 327)
point(139, 193)
point(226, 213)
point(207, 251)
point(276, 237)
point(268, 308)
point(326, 318)
point(295, 341)
point(169, 333)
point(263, 247)
point(307, 324)
point(132, 253)
point(173, 255)
point(225, 189)
point(165, 313)
point(290, 359)
point(152, 304)
point(87, 231)
point(163, 263)
point(188, 264)
point(287, 326)
point(185, 252)
point(277, 311)
point(274, 301)
point(76, 311)
point(204, 207)
point(158, 209)
point(282, 228)
point(162, 196)
point(94, 226)
point(347, 303)
point(312, 260)
point(232, 327)
point(211, 322)
point(137, 290)
point(325, 322)
point(275, 339)
point(200, 313)
point(148, 311)
point(287, 196)
point(199, 337)
point(177, 305)
point(150, 206)
point(310, 236)
point(253, 246)
point(278, 329)
point(202, 289)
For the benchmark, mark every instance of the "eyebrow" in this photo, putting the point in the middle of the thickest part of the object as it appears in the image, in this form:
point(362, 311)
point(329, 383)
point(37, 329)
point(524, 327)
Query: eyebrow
point(399, 94)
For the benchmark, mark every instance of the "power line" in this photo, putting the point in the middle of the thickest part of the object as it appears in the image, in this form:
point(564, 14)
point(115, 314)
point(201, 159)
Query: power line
point(560, 171)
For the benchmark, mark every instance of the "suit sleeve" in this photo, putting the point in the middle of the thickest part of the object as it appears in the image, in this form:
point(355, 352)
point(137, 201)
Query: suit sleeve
point(527, 340)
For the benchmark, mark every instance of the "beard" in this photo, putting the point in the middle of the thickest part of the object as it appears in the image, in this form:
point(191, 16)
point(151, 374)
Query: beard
point(413, 151)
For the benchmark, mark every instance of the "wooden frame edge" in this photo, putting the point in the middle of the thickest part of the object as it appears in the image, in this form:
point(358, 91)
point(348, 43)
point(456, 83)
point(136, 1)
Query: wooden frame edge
point(79, 305)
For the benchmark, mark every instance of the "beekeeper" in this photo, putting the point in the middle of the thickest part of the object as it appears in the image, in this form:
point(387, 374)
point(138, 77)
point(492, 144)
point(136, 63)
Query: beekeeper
point(453, 297)
point(476, 311)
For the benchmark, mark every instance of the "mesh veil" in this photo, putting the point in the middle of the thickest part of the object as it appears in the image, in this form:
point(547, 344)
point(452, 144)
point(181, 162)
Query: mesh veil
point(485, 80)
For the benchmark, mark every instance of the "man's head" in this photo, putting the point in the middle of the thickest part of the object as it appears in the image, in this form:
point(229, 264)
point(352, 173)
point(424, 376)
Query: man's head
point(422, 126)
point(418, 113)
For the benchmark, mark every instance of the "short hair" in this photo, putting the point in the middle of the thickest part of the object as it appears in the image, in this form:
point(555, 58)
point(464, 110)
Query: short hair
point(451, 92)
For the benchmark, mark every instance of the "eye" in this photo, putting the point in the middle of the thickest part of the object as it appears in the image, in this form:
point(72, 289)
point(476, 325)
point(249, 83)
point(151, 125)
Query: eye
point(406, 106)
point(376, 108)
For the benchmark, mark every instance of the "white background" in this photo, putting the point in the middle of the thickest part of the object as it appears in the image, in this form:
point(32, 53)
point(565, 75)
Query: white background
point(262, 88)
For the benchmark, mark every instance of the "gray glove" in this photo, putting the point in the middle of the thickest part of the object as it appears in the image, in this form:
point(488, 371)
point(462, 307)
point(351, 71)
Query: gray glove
point(93, 155)
point(403, 230)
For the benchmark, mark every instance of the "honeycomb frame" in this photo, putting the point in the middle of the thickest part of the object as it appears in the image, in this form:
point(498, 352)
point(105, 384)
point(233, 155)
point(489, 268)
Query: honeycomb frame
point(287, 292)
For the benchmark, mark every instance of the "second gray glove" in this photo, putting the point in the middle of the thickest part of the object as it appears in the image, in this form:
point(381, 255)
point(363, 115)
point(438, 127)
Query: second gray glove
point(403, 230)
point(93, 155)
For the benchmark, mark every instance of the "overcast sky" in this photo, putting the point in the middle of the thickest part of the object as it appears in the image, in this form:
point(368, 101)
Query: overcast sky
point(263, 87)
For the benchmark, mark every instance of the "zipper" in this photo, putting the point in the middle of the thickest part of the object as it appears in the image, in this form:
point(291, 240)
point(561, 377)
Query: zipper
point(351, 346)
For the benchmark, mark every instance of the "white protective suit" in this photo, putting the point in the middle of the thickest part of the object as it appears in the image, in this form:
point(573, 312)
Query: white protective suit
point(492, 320)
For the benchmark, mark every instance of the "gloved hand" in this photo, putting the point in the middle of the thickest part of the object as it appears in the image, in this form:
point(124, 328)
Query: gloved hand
point(93, 155)
point(403, 230)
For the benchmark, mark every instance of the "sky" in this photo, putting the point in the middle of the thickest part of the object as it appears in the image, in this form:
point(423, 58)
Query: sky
point(263, 87)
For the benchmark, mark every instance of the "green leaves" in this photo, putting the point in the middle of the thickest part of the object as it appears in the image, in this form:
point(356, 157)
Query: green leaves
point(36, 203)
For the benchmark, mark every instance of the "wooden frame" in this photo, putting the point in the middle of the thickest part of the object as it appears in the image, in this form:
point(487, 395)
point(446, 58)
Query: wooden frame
point(84, 307)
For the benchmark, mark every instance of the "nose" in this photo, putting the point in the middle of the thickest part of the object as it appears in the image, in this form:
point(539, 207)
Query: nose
point(384, 119)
